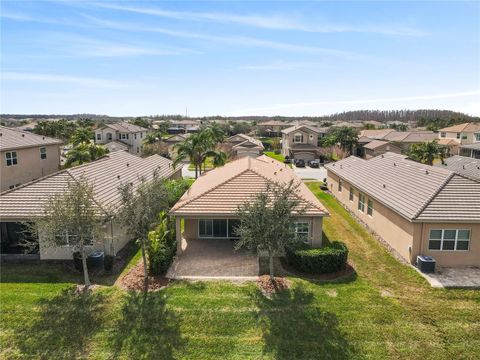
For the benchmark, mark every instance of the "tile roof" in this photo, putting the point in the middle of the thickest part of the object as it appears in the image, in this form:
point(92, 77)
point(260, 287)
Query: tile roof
point(105, 174)
point(374, 144)
point(411, 189)
point(248, 139)
point(299, 127)
point(411, 136)
point(376, 134)
point(222, 190)
point(11, 139)
point(115, 145)
point(448, 142)
point(273, 123)
point(467, 127)
point(125, 127)
point(462, 165)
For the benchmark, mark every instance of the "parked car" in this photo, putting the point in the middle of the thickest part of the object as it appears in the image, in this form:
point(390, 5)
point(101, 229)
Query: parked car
point(300, 163)
point(314, 164)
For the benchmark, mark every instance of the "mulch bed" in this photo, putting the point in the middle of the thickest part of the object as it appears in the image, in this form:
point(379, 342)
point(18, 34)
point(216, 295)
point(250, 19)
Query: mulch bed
point(269, 287)
point(133, 280)
point(349, 270)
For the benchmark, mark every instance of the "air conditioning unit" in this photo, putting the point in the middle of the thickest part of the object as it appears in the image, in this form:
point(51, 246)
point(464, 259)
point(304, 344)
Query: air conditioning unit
point(426, 264)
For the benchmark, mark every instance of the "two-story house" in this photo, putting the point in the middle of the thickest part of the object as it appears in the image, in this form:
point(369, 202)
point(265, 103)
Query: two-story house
point(26, 156)
point(124, 133)
point(466, 136)
point(302, 142)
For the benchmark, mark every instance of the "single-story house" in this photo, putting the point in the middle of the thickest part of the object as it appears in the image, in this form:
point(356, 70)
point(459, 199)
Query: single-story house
point(25, 203)
point(243, 145)
point(417, 209)
point(208, 209)
point(379, 147)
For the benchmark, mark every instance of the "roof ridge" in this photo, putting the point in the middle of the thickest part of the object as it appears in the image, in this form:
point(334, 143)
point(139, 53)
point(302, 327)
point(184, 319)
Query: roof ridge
point(430, 199)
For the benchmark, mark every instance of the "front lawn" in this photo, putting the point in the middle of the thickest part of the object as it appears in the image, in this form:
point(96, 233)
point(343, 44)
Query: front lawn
point(386, 311)
point(278, 157)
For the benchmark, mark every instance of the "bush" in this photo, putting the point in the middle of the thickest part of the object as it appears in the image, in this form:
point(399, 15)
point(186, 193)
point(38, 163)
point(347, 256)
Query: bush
point(324, 260)
point(162, 245)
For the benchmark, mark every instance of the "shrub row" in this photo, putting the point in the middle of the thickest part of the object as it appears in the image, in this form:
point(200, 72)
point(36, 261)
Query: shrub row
point(324, 260)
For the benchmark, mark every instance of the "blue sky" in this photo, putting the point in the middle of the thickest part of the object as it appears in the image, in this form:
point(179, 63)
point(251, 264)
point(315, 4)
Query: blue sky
point(238, 58)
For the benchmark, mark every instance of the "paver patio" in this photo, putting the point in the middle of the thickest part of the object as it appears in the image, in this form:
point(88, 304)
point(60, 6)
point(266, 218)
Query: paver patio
point(462, 277)
point(213, 258)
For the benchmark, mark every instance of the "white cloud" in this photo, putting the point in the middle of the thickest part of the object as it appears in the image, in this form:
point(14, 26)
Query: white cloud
point(281, 65)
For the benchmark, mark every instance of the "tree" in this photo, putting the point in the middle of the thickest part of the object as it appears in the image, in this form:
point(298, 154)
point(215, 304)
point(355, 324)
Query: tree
point(139, 121)
point(61, 129)
point(82, 134)
point(84, 152)
point(276, 146)
point(140, 210)
point(71, 218)
point(267, 221)
point(344, 136)
point(427, 152)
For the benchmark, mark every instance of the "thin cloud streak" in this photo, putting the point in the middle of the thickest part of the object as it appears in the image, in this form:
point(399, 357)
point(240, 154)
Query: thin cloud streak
point(281, 65)
point(274, 22)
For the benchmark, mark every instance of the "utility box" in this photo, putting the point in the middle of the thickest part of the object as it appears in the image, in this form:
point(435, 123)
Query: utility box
point(426, 264)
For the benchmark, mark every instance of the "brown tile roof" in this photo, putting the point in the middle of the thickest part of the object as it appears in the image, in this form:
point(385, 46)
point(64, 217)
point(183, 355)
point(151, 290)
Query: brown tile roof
point(105, 174)
point(375, 144)
point(462, 165)
point(376, 134)
point(125, 127)
point(448, 142)
point(411, 136)
point(115, 145)
point(11, 139)
point(411, 189)
point(467, 127)
point(273, 123)
point(248, 139)
point(299, 127)
point(222, 190)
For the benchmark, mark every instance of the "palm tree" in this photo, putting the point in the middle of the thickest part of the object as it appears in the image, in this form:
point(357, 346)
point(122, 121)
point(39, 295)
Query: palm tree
point(426, 152)
point(152, 138)
point(82, 134)
point(78, 155)
point(346, 137)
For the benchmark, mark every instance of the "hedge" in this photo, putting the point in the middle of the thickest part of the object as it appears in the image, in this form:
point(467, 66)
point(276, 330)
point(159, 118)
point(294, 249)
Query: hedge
point(323, 260)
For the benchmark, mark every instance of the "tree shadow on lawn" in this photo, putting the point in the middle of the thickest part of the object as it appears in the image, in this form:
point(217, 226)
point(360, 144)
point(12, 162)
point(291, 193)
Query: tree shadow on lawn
point(64, 327)
point(294, 328)
point(146, 329)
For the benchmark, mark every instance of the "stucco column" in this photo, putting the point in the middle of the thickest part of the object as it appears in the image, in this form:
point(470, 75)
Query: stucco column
point(317, 232)
point(178, 234)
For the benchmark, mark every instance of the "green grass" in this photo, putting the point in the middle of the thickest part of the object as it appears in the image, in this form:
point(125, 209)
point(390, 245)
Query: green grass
point(278, 157)
point(208, 165)
point(386, 311)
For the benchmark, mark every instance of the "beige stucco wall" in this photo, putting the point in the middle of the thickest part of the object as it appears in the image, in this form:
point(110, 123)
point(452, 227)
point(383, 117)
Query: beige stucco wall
point(369, 153)
point(470, 137)
point(135, 140)
point(29, 165)
point(309, 137)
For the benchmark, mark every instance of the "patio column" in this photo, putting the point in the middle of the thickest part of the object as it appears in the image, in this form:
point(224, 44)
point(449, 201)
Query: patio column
point(178, 234)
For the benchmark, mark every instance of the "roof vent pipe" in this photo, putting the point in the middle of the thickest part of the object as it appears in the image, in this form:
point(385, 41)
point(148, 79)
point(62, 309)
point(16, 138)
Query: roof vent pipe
point(384, 185)
point(23, 135)
point(118, 176)
point(426, 172)
point(128, 164)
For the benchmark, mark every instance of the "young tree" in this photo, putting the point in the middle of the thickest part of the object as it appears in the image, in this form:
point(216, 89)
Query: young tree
point(266, 222)
point(140, 209)
point(139, 121)
point(427, 152)
point(344, 136)
point(72, 218)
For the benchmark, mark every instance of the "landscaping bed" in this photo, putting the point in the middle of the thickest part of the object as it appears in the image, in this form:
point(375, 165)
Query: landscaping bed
point(134, 280)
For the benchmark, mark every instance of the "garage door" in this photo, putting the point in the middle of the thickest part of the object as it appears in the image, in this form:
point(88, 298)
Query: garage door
point(305, 156)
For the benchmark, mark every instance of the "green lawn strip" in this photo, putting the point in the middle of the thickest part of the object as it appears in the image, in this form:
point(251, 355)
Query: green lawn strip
point(278, 157)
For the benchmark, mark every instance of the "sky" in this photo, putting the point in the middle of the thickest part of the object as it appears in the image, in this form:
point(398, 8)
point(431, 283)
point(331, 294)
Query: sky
point(238, 58)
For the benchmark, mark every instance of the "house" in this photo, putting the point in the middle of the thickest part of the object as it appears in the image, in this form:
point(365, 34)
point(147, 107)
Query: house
point(242, 145)
point(272, 128)
point(25, 203)
point(355, 125)
point(302, 142)
point(464, 166)
point(471, 150)
point(405, 139)
point(173, 140)
point(415, 208)
point(375, 123)
point(183, 126)
point(379, 147)
point(123, 132)
point(208, 209)
point(376, 134)
point(464, 134)
point(26, 157)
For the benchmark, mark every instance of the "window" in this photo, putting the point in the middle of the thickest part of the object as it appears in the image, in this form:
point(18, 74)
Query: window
point(11, 157)
point(124, 136)
point(212, 228)
point(458, 135)
point(361, 202)
point(449, 239)
point(109, 136)
point(99, 136)
point(43, 153)
point(301, 231)
point(352, 193)
point(138, 149)
point(340, 185)
point(141, 135)
point(298, 138)
point(232, 228)
point(443, 134)
point(370, 207)
point(477, 136)
point(135, 136)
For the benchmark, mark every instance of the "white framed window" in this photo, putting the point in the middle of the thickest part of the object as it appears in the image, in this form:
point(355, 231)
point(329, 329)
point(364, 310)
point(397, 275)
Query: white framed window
point(298, 138)
point(352, 193)
point(99, 136)
point(340, 185)
point(477, 136)
point(11, 157)
point(302, 229)
point(109, 136)
point(124, 136)
point(43, 153)
point(361, 202)
point(216, 228)
point(370, 207)
point(449, 239)
point(443, 134)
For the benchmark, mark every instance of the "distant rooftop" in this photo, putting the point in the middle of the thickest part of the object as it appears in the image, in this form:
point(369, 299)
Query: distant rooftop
point(466, 127)
point(461, 165)
point(11, 139)
point(125, 127)
point(299, 127)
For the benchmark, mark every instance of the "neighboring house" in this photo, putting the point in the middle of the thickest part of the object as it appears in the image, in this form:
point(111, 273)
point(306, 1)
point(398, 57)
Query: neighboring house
point(405, 139)
point(417, 209)
point(464, 166)
point(26, 157)
point(379, 147)
point(243, 145)
point(302, 142)
point(472, 150)
point(173, 140)
point(464, 134)
point(376, 134)
point(208, 209)
point(377, 124)
point(183, 126)
point(115, 145)
point(123, 132)
point(106, 174)
point(355, 125)
point(272, 128)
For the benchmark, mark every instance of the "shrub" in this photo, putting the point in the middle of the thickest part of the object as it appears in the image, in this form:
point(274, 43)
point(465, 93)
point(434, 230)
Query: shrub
point(162, 245)
point(324, 260)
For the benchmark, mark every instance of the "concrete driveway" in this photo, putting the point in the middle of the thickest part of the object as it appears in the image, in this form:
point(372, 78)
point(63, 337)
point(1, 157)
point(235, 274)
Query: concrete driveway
point(311, 173)
point(213, 259)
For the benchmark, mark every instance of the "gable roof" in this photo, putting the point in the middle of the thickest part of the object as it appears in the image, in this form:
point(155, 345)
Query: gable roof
point(125, 127)
point(300, 127)
point(466, 127)
point(376, 134)
point(411, 136)
point(115, 145)
point(462, 165)
point(246, 141)
point(411, 189)
point(11, 139)
point(374, 144)
point(105, 175)
point(222, 190)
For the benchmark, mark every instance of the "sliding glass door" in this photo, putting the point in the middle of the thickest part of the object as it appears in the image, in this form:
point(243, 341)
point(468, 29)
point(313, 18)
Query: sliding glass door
point(217, 228)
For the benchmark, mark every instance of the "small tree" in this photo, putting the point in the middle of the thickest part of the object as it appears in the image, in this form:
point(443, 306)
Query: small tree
point(345, 137)
point(427, 152)
point(71, 218)
point(266, 222)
